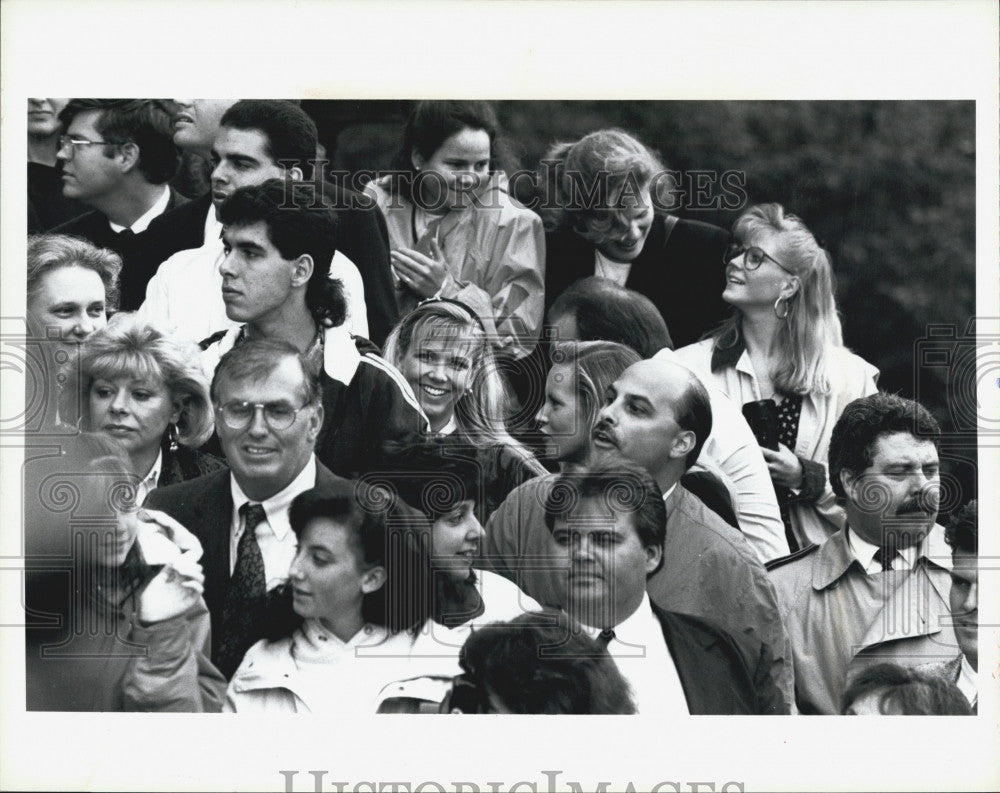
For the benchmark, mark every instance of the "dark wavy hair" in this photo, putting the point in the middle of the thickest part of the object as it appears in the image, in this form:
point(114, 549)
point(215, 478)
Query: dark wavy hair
point(291, 134)
point(543, 662)
point(962, 533)
point(906, 692)
point(864, 421)
point(296, 224)
point(148, 123)
point(622, 486)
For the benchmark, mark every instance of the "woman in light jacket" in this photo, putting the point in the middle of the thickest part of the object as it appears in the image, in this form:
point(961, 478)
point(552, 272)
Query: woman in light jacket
point(783, 343)
point(454, 230)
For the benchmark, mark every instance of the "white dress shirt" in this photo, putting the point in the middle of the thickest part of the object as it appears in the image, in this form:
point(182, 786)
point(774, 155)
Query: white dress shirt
point(968, 681)
point(865, 552)
point(142, 222)
point(185, 294)
point(641, 654)
point(275, 537)
point(148, 483)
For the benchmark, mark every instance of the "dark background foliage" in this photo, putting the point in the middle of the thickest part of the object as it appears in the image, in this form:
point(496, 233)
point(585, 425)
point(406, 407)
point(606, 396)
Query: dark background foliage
point(888, 187)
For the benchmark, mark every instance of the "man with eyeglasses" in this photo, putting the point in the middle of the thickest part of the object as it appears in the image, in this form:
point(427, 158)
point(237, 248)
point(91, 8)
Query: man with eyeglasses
point(276, 283)
point(117, 156)
point(269, 411)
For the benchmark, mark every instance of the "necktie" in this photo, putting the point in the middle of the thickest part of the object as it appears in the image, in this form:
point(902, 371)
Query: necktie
point(241, 616)
point(884, 557)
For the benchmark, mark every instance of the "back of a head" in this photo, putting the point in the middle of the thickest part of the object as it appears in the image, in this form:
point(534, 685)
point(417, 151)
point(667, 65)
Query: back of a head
point(544, 663)
point(604, 311)
point(291, 134)
point(894, 690)
point(147, 123)
point(433, 476)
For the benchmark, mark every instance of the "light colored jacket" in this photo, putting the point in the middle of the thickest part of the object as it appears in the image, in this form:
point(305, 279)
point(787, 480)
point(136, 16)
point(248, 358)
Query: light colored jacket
point(840, 619)
point(496, 260)
point(852, 377)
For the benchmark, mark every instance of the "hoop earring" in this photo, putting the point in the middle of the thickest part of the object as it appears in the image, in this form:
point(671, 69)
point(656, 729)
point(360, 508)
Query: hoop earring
point(787, 309)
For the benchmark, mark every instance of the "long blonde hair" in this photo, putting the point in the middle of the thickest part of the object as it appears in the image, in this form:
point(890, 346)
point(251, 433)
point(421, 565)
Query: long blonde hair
point(811, 330)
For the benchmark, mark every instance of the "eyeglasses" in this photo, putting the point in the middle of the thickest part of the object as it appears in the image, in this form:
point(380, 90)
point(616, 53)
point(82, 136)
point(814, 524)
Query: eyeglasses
point(754, 256)
point(277, 415)
point(70, 145)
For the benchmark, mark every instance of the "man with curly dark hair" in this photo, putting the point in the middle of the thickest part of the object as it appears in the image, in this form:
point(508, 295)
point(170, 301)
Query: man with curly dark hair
point(877, 589)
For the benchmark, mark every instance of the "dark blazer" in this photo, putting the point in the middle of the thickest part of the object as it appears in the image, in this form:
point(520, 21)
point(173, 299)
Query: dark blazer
point(682, 273)
point(204, 506)
point(362, 237)
point(714, 674)
point(140, 253)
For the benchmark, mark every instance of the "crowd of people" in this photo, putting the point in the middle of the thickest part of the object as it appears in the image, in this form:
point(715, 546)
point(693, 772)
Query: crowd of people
point(420, 448)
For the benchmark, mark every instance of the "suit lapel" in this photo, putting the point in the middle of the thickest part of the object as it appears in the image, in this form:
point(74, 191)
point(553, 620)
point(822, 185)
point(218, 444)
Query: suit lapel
point(213, 514)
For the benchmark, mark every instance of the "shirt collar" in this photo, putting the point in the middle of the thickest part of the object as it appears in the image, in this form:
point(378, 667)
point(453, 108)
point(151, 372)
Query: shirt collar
point(142, 223)
point(967, 681)
point(727, 357)
point(635, 628)
point(450, 427)
point(213, 228)
point(276, 507)
point(149, 481)
point(670, 492)
point(836, 555)
point(340, 354)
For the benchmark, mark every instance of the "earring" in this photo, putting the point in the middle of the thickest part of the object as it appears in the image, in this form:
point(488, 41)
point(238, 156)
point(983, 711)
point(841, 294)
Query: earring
point(787, 309)
point(172, 435)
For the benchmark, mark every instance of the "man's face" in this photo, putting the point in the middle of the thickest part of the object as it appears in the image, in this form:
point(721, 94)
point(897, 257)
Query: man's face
point(240, 158)
point(605, 562)
point(562, 419)
point(265, 460)
point(638, 420)
point(196, 123)
point(90, 172)
point(964, 602)
point(256, 280)
point(43, 116)
point(895, 500)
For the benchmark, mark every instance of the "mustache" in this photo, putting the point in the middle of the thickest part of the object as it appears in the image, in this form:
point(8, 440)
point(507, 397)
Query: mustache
point(603, 427)
point(922, 503)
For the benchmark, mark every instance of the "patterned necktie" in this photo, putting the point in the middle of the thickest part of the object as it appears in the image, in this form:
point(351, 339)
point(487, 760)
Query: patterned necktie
point(884, 557)
point(241, 616)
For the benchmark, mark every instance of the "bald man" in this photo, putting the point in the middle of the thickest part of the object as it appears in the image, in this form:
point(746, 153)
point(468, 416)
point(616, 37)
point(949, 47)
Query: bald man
point(658, 414)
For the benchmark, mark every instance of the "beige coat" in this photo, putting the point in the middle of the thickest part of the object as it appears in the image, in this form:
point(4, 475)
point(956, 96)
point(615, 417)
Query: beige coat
point(852, 377)
point(840, 619)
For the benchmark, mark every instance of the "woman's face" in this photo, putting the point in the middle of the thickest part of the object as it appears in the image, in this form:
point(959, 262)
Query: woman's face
point(70, 299)
point(327, 577)
point(455, 540)
point(630, 226)
point(762, 286)
point(438, 367)
point(134, 412)
point(462, 162)
point(562, 419)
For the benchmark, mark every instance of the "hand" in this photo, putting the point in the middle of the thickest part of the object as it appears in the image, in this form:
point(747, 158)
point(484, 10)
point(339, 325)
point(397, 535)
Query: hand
point(784, 466)
point(420, 273)
point(179, 585)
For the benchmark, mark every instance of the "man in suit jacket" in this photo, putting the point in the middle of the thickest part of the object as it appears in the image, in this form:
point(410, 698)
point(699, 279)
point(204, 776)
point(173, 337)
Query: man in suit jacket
point(608, 526)
point(249, 142)
point(269, 412)
point(117, 157)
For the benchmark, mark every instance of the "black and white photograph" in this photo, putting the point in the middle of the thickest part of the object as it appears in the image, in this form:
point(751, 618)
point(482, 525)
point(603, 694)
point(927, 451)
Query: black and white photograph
point(406, 381)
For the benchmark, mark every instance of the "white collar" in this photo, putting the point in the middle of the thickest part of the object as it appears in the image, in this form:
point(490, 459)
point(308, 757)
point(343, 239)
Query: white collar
point(149, 481)
point(670, 490)
point(633, 628)
point(276, 507)
point(967, 681)
point(340, 354)
point(142, 223)
point(450, 427)
point(213, 228)
point(865, 551)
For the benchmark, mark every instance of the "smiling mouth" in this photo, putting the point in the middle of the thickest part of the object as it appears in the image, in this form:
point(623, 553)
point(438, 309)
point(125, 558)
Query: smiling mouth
point(183, 118)
point(257, 451)
point(432, 391)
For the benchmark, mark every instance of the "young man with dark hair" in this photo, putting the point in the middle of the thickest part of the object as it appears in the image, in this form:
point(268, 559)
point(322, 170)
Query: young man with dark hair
point(276, 285)
point(875, 590)
point(253, 141)
point(608, 525)
point(117, 156)
point(657, 414)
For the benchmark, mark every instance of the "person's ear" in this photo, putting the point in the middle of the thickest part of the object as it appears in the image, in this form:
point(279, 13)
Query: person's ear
point(178, 409)
point(302, 270)
point(315, 422)
point(790, 288)
point(683, 444)
point(295, 174)
point(128, 156)
point(373, 579)
point(654, 553)
point(417, 161)
point(847, 480)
